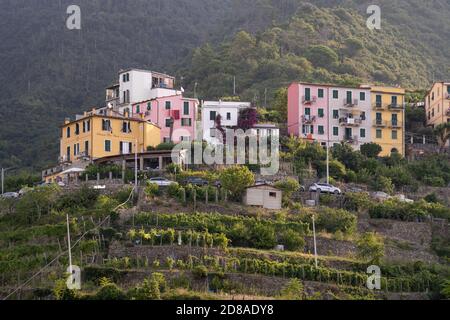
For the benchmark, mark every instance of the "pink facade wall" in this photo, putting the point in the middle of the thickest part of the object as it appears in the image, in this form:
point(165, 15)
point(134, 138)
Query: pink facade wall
point(293, 109)
point(156, 112)
point(297, 107)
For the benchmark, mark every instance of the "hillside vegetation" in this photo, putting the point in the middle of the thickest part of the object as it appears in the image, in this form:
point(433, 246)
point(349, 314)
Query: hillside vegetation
point(50, 72)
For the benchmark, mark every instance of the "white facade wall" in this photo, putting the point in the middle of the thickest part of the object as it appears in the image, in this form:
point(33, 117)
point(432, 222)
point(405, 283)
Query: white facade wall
point(229, 112)
point(358, 116)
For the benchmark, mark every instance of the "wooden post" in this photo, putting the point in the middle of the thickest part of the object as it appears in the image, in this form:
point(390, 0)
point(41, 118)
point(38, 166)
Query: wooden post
point(87, 177)
point(217, 195)
point(184, 195)
point(123, 170)
point(98, 178)
point(206, 195)
point(195, 199)
point(110, 176)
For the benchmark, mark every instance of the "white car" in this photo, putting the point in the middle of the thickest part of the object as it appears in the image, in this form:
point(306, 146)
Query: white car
point(162, 182)
point(10, 195)
point(325, 188)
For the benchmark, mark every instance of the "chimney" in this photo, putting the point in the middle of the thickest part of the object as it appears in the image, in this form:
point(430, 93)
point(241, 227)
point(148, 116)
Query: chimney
point(142, 116)
point(126, 114)
point(66, 120)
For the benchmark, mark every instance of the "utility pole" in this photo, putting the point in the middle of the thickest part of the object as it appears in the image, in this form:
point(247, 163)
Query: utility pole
point(234, 85)
point(69, 246)
point(135, 165)
point(314, 236)
point(328, 163)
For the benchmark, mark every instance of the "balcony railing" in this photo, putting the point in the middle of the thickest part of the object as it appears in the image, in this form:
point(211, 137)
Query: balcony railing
point(378, 105)
point(447, 96)
point(350, 121)
point(351, 139)
point(308, 119)
point(351, 103)
point(395, 124)
point(395, 106)
point(380, 123)
point(309, 100)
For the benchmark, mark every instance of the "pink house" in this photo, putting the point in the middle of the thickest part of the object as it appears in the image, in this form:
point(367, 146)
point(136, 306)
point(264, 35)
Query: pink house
point(163, 110)
point(328, 113)
point(308, 111)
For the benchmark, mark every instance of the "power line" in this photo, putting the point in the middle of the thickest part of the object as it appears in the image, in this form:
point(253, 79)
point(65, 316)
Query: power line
point(64, 252)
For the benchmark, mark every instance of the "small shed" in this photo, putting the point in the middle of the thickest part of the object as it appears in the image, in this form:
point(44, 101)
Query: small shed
point(263, 195)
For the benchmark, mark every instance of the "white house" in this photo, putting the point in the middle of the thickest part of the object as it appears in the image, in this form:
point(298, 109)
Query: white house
point(266, 130)
point(137, 85)
point(229, 111)
point(263, 195)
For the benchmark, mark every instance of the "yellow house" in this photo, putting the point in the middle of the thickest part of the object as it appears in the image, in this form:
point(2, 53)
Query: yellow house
point(388, 116)
point(102, 133)
point(437, 104)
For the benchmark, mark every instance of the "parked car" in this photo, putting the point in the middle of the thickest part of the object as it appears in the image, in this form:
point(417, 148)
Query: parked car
point(324, 188)
point(10, 195)
point(162, 182)
point(196, 181)
point(302, 188)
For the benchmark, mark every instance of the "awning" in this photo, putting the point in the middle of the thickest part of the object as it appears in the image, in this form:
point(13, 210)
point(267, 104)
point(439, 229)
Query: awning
point(72, 170)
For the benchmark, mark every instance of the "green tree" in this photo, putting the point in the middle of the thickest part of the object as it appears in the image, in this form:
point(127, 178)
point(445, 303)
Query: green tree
point(371, 150)
point(371, 247)
point(321, 56)
point(288, 186)
point(235, 179)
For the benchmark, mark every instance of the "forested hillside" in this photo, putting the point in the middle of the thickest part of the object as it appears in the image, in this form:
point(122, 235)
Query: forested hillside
point(49, 72)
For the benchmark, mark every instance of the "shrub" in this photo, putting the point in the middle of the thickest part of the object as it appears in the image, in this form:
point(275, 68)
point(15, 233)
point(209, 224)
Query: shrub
point(262, 236)
point(384, 184)
point(174, 168)
point(292, 240)
point(371, 247)
point(293, 290)
point(200, 271)
point(110, 292)
point(288, 186)
point(333, 220)
point(152, 189)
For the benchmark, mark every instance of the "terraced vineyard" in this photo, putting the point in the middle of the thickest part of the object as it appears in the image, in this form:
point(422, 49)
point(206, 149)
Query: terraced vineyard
point(127, 254)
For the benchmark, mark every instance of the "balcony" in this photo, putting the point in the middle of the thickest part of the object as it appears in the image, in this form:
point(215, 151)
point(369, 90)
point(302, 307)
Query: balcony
point(447, 96)
point(395, 106)
point(380, 123)
point(308, 119)
point(309, 100)
point(395, 124)
point(378, 106)
point(350, 121)
point(351, 139)
point(448, 113)
point(351, 103)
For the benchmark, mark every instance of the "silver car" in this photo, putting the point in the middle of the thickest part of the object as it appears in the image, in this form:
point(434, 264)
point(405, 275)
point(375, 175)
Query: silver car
point(324, 188)
point(162, 182)
point(10, 195)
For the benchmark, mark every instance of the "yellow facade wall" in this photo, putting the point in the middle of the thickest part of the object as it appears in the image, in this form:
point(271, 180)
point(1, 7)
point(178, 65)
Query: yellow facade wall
point(387, 125)
point(144, 133)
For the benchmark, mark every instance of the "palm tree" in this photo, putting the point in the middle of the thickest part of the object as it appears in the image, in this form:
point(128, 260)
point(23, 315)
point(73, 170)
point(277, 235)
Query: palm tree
point(442, 133)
